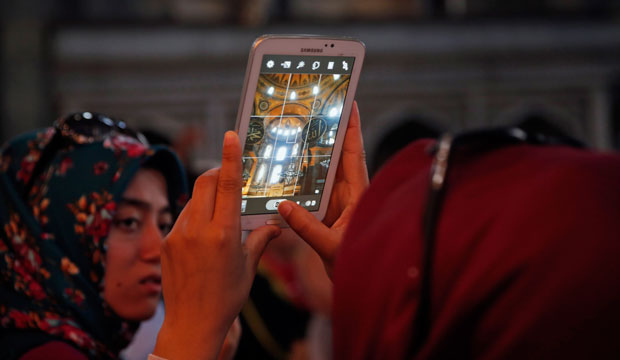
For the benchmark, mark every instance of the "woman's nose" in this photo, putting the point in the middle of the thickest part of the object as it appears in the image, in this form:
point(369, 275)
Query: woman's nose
point(150, 242)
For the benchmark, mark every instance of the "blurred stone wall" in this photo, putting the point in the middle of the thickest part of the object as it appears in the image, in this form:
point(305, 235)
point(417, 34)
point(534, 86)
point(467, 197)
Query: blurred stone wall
point(454, 76)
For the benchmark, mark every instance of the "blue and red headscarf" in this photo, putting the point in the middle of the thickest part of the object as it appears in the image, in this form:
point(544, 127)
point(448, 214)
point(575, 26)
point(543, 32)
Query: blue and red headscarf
point(53, 239)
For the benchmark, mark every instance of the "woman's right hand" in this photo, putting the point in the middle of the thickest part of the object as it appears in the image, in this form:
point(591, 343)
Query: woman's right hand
point(207, 271)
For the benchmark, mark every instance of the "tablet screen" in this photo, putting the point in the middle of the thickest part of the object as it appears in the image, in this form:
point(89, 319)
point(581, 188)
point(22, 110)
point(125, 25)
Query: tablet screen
point(296, 114)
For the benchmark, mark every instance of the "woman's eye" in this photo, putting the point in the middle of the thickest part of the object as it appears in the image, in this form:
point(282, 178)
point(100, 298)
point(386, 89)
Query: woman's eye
point(165, 228)
point(127, 224)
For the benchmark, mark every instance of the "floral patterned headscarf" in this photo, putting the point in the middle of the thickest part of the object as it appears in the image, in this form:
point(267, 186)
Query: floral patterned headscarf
point(52, 240)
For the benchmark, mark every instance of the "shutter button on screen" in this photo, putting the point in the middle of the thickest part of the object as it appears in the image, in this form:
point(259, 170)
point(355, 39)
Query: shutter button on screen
point(273, 204)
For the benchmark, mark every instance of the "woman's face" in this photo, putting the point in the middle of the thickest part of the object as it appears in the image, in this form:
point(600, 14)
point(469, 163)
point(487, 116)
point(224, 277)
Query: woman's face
point(133, 270)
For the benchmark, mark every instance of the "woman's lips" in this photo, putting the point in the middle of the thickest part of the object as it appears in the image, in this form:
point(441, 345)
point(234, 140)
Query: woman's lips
point(152, 284)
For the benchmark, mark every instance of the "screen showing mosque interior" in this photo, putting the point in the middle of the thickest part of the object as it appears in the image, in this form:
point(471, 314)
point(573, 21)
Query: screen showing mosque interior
point(296, 114)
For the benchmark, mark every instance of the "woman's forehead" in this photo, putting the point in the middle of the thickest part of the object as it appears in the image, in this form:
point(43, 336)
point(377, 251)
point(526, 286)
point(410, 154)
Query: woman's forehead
point(148, 186)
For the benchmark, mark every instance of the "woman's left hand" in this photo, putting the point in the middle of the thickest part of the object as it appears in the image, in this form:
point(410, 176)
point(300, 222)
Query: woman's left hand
point(350, 183)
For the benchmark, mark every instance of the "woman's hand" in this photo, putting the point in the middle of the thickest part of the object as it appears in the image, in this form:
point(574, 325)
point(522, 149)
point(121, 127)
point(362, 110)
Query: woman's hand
point(229, 348)
point(207, 271)
point(350, 183)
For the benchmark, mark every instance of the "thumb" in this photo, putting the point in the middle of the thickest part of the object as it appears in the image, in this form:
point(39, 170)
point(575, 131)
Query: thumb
point(310, 229)
point(257, 242)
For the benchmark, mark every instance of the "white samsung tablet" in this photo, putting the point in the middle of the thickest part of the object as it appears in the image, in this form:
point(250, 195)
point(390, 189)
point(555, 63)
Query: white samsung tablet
point(293, 115)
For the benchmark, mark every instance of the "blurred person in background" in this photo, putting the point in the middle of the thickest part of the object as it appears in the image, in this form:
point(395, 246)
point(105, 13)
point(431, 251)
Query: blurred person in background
point(287, 312)
point(276, 314)
point(409, 129)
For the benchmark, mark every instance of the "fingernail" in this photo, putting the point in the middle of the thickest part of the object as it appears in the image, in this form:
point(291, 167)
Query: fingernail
point(229, 137)
point(285, 208)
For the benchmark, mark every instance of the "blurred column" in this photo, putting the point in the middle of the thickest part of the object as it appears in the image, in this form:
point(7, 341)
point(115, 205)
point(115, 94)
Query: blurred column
point(615, 111)
point(24, 101)
point(601, 118)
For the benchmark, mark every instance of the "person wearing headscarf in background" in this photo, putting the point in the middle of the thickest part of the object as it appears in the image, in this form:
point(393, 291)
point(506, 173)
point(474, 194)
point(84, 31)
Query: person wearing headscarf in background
point(523, 263)
point(524, 260)
point(80, 237)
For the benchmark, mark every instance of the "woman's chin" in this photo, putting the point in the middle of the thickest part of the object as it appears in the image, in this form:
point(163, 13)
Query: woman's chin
point(139, 313)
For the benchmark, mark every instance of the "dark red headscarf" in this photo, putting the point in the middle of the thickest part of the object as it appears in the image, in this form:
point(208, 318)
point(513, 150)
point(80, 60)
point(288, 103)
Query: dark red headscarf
point(526, 265)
